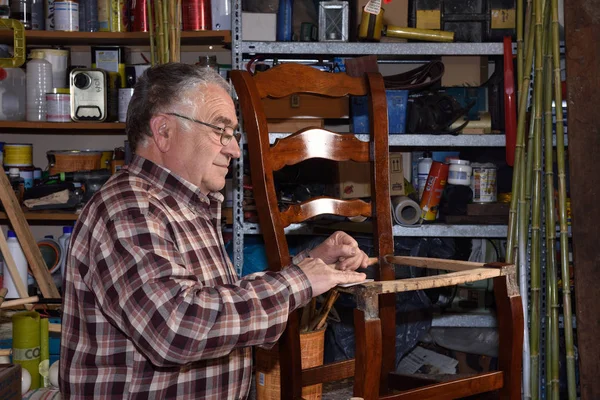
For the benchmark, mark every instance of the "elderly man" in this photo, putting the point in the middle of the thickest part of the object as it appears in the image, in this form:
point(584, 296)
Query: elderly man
point(152, 305)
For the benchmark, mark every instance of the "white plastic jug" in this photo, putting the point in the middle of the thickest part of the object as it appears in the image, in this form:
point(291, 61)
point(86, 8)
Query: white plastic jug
point(13, 85)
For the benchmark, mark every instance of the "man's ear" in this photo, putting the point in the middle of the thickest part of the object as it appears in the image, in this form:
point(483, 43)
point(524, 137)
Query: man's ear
point(163, 129)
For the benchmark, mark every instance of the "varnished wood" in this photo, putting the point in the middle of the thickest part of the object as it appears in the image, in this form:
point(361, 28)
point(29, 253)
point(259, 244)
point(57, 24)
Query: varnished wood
point(509, 314)
point(112, 38)
point(317, 143)
point(375, 315)
point(50, 215)
point(26, 240)
point(290, 78)
point(454, 389)
point(367, 369)
point(324, 205)
point(328, 373)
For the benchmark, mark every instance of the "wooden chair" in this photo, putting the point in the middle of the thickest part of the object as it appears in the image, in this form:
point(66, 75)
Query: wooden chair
point(374, 317)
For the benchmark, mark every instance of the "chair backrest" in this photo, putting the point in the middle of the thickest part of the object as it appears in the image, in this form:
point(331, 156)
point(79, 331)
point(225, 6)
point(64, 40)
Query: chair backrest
point(288, 79)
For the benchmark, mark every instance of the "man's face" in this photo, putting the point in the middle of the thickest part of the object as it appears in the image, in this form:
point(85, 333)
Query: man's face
point(203, 160)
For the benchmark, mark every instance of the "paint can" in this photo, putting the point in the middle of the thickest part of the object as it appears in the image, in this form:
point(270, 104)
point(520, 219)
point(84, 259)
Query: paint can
point(18, 154)
point(459, 172)
point(196, 15)
point(434, 187)
point(139, 16)
point(484, 183)
point(58, 104)
point(66, 16)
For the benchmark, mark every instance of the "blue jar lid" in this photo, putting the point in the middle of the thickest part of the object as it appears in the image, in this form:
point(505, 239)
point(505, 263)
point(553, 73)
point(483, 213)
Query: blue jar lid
point(11, 234)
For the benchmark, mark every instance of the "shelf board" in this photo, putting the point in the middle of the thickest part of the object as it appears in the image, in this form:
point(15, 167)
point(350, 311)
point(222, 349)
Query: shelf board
point(53, 38)
point(430, 230)
point(47, 215)
point(53, 128)
point(348, 48)
point(424, 140)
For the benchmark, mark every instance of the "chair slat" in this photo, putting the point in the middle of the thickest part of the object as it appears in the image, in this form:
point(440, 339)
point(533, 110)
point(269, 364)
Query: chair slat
point(317, 143)
point(286, 79)
point(324, 205)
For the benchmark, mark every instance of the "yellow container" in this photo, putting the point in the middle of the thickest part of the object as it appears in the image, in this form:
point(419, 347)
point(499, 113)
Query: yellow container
point(73, 160)
point(18, 154)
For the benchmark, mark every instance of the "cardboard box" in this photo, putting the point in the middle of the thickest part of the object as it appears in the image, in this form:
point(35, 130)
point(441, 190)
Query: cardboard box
point(259, 27)
point(305, 105)
point(10, 381)
point(396, 12)
point(355, 178)
point(464, 71)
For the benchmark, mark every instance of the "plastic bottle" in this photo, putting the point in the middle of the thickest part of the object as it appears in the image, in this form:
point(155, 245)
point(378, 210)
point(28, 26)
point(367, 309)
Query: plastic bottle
point(423, 171)
point(64, 241)
point(21, 263)
point(39, 82)
point(12, 94)
point(284, 20)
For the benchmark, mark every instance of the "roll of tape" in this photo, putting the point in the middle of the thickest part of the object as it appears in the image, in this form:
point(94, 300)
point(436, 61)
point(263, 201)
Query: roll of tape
point(406, 211)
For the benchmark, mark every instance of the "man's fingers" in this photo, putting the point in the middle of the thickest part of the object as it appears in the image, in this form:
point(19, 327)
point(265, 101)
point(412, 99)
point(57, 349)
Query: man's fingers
point(350, 277)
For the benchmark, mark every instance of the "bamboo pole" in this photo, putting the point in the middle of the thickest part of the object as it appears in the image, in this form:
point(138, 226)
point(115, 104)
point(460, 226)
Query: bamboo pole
point(160, 30)
point(172, 31)
point(151, 32)
point(536, 250)
point(562, 207)
point(165, 16)
point(519, 150)
point(179, 27)
point(552, 335)
point(520, 54)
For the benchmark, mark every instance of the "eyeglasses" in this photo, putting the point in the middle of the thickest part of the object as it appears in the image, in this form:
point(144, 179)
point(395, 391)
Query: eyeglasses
point(226, 132)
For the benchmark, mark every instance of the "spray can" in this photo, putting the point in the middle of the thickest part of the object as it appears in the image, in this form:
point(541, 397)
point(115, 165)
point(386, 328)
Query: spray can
point(436, 182)
point(284, 21)
point(139, 16)
point(423, 172)
point(196, 15)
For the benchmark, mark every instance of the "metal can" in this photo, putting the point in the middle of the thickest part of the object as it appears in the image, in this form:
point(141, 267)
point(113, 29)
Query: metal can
point(434, 187)
point(139, 16)
point(66, 16)
point(196, 15)
point(484, 183)
point(124, 99)
point(58, 103)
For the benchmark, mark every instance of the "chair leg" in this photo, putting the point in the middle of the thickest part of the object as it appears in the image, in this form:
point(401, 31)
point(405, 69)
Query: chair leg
point(367, 368)
point(510, 325)
point(290, 360)
point(387, 314)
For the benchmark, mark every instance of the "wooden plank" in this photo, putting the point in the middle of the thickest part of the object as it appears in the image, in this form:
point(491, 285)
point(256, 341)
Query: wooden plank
point(20, 302)
point(429, 282)
point(328, 373)
point(28, 243)
point(434, 263)
point(582, 20)
point(453, 389)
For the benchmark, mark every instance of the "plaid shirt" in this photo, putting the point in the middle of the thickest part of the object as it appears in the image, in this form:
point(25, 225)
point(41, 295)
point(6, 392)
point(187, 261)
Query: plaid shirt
point(153, 308)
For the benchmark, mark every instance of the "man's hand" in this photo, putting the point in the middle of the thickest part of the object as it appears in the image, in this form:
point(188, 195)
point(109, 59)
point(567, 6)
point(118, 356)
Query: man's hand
point(322, 277)
point(341, 249)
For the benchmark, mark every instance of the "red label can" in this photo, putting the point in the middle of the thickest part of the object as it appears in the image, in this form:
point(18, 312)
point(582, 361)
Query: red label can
point(139, 16)
point(434, 187)
point(196, 15)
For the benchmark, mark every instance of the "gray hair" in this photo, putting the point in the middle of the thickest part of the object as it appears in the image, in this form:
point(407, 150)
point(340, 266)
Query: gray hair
point(166, 88)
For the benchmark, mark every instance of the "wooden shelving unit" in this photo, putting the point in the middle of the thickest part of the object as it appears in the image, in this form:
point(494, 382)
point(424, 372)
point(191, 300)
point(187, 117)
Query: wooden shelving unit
point(52, 38)
point(63, 128)
point(48, 215)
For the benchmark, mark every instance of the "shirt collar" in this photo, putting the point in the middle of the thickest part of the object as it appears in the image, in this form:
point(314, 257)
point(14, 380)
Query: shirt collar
point(165, 180)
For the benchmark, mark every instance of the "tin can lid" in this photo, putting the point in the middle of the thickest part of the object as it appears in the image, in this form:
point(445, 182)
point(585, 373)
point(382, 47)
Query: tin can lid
point(59, 91)
point(459, 162)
